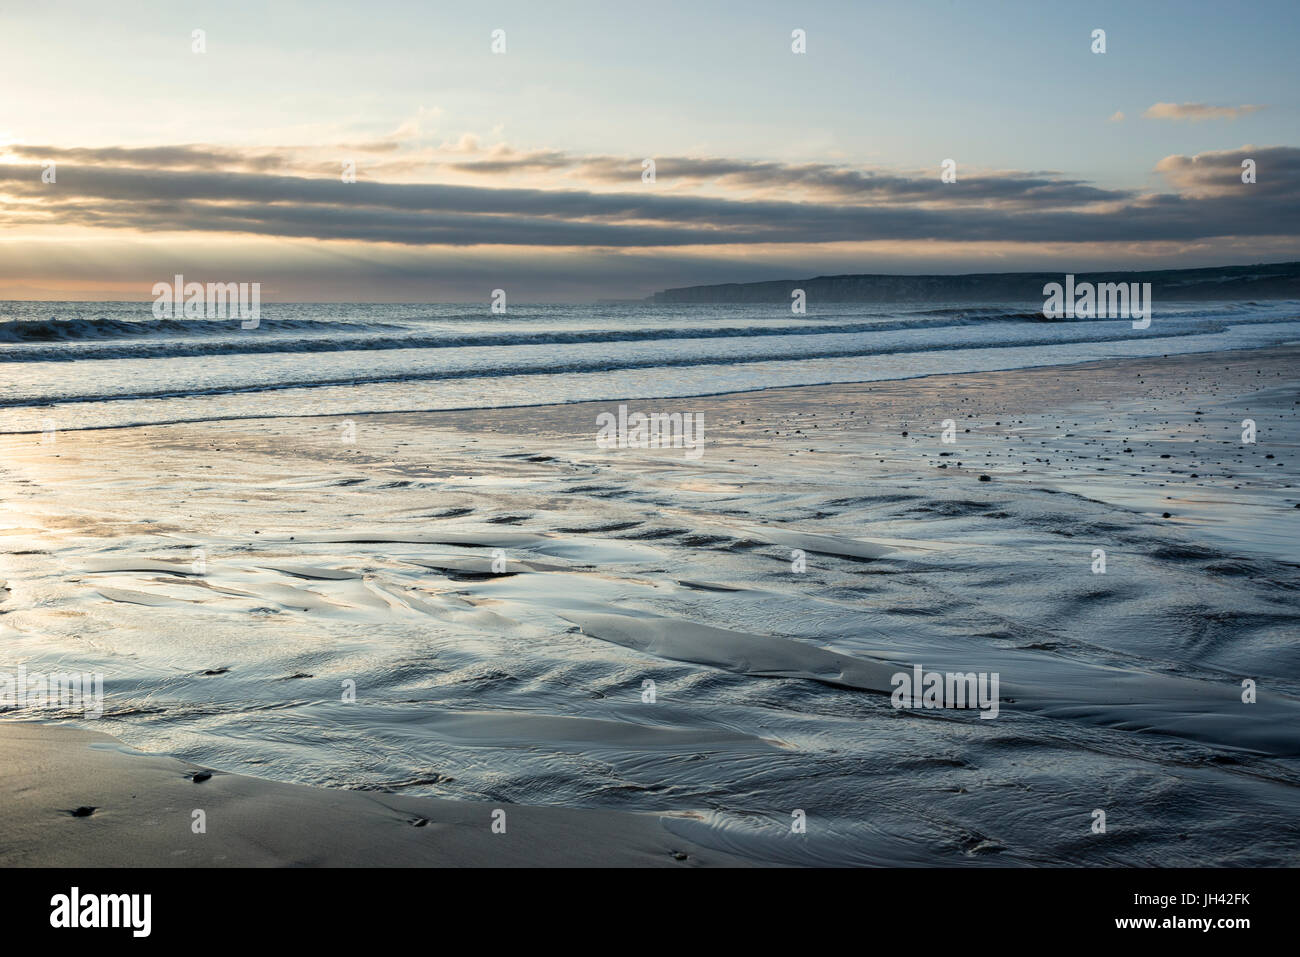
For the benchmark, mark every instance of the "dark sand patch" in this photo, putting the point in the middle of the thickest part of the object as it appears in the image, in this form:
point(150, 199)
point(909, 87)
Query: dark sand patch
point(77, 798)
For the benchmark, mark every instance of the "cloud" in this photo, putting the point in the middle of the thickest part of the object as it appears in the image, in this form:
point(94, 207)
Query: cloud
point(116, 189)
point(1197, 112)
point(470, 161)
point(153, 157)
point(1117, 117)
point(815, 180)
point(1218, 173)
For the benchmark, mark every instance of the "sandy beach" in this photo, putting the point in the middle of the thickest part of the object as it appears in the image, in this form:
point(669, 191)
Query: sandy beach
point(161, 812)
point(648, 656)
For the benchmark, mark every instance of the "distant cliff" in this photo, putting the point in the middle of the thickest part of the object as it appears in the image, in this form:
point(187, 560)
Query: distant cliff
point(1271, 281)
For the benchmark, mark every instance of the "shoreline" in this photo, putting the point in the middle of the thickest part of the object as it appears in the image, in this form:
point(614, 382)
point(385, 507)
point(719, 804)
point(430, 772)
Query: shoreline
point(853, 386)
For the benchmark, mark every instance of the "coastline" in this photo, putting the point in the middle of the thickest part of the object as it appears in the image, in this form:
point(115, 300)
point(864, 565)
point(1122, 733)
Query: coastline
point(335, 393)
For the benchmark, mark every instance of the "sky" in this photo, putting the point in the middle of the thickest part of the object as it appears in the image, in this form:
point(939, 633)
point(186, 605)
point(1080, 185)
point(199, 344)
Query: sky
point(524, 169)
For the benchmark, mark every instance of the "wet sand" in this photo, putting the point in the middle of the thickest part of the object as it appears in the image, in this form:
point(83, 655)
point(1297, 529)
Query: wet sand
point(499, 590)
point(156, 811)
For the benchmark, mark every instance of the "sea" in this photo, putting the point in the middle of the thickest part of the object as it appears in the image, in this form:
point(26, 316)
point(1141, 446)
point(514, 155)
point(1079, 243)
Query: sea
point(75, 365)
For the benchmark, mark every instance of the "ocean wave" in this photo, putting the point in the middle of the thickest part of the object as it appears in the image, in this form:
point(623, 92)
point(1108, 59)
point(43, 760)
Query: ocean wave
point(349, 337)
point(552, 365)
point(106, 328)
